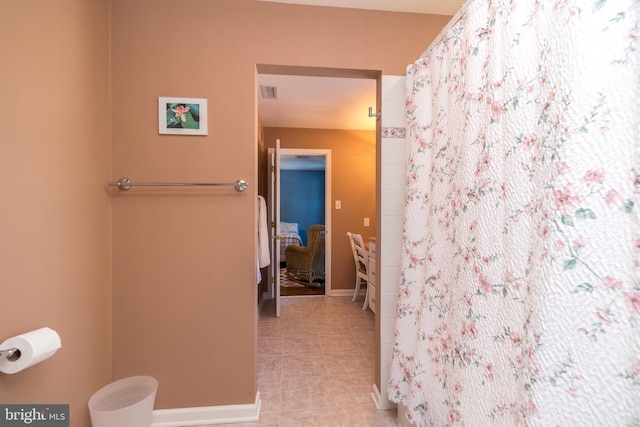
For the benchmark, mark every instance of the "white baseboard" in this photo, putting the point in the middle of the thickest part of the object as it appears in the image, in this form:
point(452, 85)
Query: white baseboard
point(381, 402)
point(204, 415)
point(346, 292)
point(334, 293)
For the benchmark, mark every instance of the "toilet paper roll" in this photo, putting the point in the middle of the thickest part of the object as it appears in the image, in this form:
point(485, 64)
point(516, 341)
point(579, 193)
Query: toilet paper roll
point(34, 346)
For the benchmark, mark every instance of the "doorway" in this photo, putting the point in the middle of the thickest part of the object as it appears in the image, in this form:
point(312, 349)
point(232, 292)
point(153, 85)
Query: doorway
point(294, 229)
point(321, 123)
point(305, 199)
point(350, 211)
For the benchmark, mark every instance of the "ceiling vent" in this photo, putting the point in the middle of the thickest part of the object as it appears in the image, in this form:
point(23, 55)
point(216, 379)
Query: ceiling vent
point(269, 92)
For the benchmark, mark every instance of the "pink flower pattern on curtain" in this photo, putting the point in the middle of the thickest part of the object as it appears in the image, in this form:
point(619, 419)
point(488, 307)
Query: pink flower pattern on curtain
point(519, 301)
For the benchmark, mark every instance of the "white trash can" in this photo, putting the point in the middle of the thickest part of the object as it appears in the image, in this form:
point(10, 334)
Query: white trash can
point(124, 403)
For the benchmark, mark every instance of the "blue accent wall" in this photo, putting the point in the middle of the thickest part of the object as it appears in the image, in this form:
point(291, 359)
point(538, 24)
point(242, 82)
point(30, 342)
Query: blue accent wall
point(302, 199)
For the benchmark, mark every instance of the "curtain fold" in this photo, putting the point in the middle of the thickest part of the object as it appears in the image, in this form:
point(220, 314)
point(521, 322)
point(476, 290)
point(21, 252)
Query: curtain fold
point(519, 300)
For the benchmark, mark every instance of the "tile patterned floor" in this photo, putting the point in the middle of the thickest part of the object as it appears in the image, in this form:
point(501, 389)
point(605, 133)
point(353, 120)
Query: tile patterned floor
point(316, 365)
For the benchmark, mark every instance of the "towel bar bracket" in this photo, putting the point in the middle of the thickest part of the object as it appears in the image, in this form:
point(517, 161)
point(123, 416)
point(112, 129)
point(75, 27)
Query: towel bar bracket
point(124, 184)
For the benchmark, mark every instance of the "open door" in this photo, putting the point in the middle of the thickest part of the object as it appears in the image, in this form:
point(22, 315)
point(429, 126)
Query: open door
point(297, 159)
point(274, 202)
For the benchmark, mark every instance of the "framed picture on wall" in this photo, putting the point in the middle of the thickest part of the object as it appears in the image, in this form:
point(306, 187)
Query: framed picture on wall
point(182, 116)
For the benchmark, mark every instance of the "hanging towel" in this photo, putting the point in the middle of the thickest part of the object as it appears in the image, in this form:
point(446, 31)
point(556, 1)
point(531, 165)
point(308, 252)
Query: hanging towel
point(264, 257)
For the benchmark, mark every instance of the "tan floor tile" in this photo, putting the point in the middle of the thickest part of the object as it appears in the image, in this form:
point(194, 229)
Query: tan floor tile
point(301, 326)
point(311, 394)
point(329, 329)
point(299, 365)
point(348, 362)
point(270, 395)
point(269, 419)
point(301, 345)
point(270, 346)
point(318, 418)
point(339, 344)
point(270, 330)
point(325, 375)
point(366, 416)
point(351, 389)
point(269, 367)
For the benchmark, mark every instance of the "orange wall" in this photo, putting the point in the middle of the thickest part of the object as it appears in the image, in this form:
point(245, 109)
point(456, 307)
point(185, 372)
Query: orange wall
point(353, 182)
point(55, 217)
point(184, 261)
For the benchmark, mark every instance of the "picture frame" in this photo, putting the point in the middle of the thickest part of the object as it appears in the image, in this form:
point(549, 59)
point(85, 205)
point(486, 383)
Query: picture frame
point(182, 116)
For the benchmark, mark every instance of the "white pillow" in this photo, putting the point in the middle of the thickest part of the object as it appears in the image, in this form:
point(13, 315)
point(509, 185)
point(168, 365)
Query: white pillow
point(289, 227)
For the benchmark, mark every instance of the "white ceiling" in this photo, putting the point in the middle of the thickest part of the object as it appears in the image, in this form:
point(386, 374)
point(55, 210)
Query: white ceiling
point(331, 102)
point(318, 102)
point(437, 7)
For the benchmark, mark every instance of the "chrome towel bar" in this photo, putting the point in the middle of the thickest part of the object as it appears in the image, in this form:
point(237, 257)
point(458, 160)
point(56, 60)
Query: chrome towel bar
point(125, 184)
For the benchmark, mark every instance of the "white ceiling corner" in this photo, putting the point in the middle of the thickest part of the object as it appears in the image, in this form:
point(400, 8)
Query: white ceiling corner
point(318, 102)
point(436, 7)
point(330, 102)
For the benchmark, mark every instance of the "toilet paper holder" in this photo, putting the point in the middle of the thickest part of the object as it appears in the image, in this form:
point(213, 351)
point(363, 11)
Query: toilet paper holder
point(12, 354)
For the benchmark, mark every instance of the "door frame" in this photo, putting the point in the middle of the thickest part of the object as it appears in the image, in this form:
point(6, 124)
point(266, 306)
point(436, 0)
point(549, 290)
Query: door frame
point(312, 152)
point(368, 74)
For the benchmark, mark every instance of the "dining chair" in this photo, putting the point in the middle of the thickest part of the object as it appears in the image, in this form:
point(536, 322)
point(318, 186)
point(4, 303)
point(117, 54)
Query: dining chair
point(360, 258)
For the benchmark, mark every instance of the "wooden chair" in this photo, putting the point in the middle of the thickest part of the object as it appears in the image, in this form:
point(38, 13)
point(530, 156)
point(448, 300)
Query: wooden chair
point(360, 259)
point(306, 263)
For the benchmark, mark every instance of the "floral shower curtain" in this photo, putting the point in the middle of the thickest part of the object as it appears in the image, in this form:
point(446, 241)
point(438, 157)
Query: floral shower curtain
point(519, 299)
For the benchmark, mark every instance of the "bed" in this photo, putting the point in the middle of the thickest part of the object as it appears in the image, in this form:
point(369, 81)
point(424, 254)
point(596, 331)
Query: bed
point(290, 236)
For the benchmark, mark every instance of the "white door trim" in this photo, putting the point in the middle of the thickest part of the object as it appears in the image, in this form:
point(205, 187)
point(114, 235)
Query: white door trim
point(326, 153)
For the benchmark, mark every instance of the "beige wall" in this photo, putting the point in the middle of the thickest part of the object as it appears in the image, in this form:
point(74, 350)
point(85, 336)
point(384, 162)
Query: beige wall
point(183, 265)
point(353, 182)
point(184, 261)
point(54, 221)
